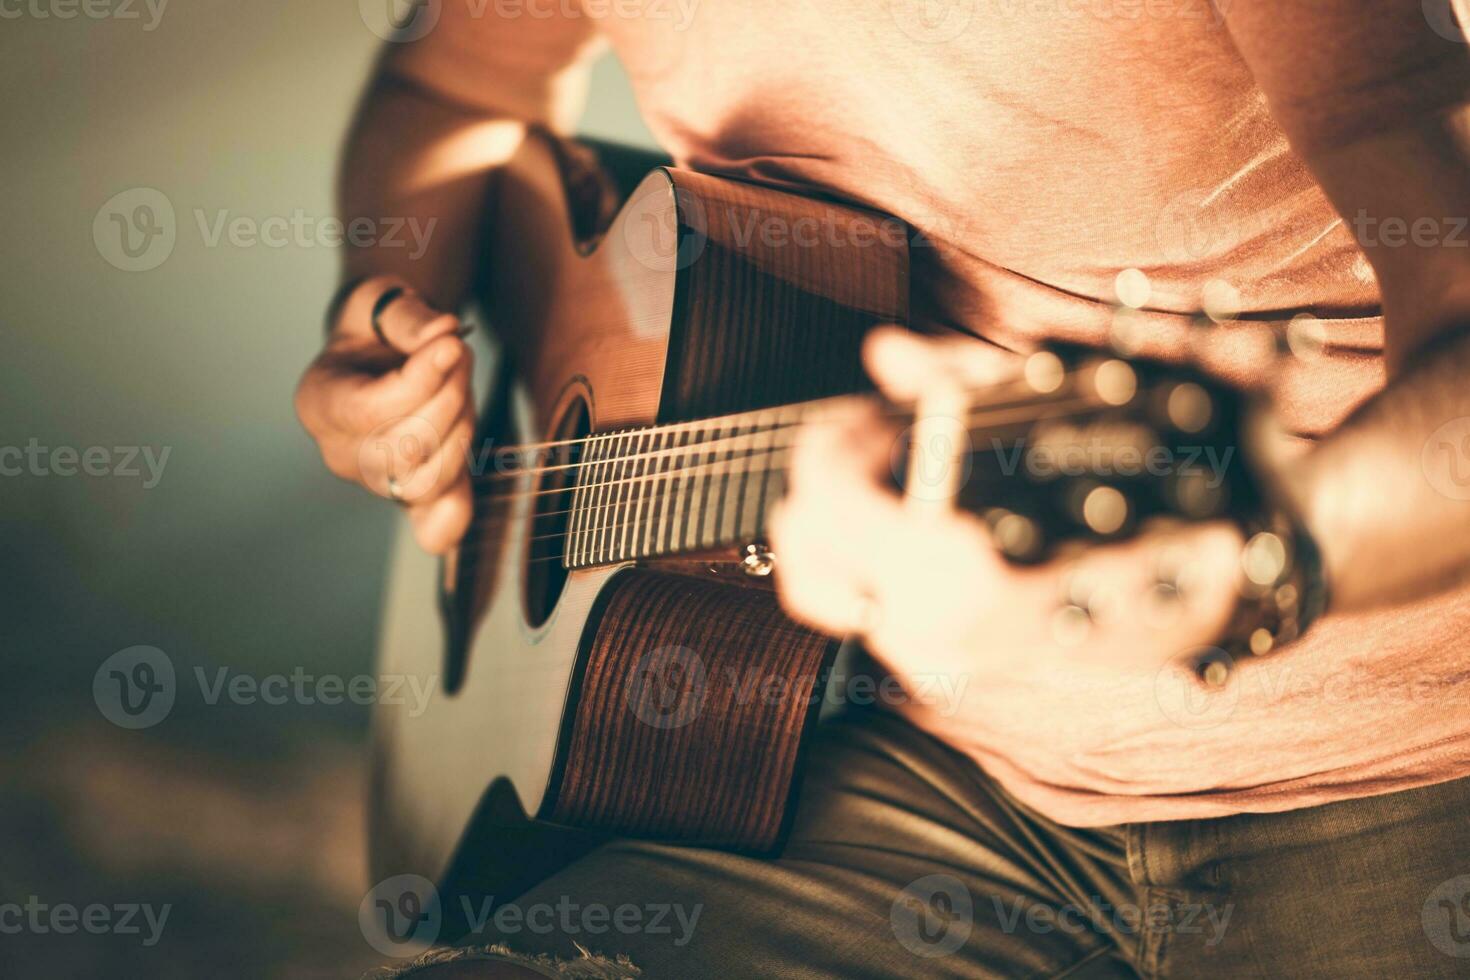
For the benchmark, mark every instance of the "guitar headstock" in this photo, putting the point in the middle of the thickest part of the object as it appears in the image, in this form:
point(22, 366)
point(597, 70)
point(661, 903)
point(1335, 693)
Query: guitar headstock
point(1089, 447)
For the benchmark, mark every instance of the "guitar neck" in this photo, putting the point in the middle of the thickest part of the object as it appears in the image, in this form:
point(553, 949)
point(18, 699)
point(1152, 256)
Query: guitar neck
point(697, 487)
point(682, 488)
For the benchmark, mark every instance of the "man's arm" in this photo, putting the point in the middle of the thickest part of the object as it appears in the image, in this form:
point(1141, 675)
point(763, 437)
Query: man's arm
point(388, 400)
point(1374, 98)
point(441, 113)
point(415, 158)
point(1386, 495)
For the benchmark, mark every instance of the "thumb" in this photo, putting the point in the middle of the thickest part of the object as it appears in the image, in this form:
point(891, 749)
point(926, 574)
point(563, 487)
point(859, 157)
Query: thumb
point(905, 364)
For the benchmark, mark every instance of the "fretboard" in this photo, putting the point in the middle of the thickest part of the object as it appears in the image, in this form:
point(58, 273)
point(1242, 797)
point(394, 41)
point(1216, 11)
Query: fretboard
point(682, 488)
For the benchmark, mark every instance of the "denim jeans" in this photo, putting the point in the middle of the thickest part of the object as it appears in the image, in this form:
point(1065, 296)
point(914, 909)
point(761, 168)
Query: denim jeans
point(905, 860)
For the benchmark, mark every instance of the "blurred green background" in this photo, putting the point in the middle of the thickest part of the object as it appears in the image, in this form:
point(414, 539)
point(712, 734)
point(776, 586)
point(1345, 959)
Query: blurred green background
point(246, 819)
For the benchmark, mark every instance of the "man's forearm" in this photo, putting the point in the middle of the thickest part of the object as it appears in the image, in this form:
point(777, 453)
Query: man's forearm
point(1388, 495)
point(422, 165)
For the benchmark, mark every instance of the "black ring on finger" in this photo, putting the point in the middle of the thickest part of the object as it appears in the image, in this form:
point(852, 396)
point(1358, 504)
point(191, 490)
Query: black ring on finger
point(384, 301)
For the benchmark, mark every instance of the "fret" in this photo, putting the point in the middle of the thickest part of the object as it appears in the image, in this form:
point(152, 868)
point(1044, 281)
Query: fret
point(658, 504)
point(684, 497)
point(658, 521)
point(637, 466)
point(726, 469)
point(580, 494)
point(627, 488)
point(687, 487)
point(622, 487)
point(679, 494)
point(587, 477)
point(741, 462)
point(705, 480)
point(694, 504)
point(603, 477)
point(617, 494)
point(637, 494)
point(597, 477)
point(648, 519)
point(571, 552)
point(774, 473)
point(748, 519)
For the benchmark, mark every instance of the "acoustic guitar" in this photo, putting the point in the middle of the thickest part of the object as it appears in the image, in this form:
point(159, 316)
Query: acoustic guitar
point(591, 647)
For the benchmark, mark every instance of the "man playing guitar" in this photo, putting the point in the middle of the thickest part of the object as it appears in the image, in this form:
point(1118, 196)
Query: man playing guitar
point(1091, 172)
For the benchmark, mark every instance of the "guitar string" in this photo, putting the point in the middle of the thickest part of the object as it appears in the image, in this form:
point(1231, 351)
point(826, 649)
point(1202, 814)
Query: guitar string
point(731, 443)
point(617, 508)
point(755, 449)
point(719, 468)
point(755, 413)
point(787, 416)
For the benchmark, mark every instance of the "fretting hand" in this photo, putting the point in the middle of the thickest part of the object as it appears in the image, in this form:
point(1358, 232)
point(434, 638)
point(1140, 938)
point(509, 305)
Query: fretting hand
point(924, 585)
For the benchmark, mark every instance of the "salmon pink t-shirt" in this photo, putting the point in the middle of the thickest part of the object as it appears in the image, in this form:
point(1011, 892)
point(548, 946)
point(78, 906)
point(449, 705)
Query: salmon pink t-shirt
point(1056, 154)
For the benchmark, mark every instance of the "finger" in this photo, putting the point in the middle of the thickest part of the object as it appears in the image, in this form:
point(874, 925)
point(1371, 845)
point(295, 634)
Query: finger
point(446, 408)
point(404, 321)
point(409, 324)
point(813, 585)
point(849, 443)
point(904, 363)
point(440, 525)
point(939, 446)
point(412, 453)
point(403, 392)
point(429, 474)
point(840, 492)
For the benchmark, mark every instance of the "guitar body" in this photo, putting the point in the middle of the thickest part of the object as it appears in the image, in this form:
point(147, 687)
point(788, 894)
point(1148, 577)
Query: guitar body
point(668, 697)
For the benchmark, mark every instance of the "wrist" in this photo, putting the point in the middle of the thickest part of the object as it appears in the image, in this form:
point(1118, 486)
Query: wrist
point(1284, 584)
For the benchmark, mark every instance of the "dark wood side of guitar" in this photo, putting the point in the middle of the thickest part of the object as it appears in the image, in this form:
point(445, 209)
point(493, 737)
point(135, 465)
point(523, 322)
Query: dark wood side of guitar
point(694, 695)
point(692, 702)
point(778, 297)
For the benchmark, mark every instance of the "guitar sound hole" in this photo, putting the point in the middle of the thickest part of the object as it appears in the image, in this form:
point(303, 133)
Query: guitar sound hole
point(546, 576)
